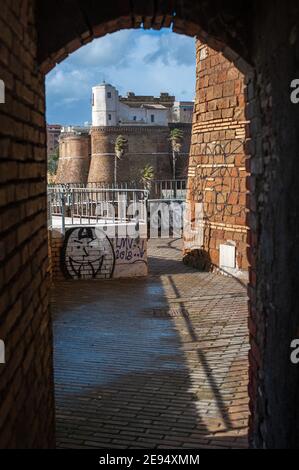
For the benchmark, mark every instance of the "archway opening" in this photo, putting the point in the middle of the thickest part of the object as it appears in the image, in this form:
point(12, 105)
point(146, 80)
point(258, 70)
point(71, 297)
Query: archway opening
point(263, 34)
point(217, 175)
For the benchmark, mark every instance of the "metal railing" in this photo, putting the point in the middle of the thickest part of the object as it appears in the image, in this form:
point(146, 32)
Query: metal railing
point(168, 189)
point(124, 185)
point(157, 189)
point(79, 206)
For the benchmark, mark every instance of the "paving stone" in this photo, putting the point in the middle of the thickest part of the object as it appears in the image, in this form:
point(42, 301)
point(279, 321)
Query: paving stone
point(127, 377)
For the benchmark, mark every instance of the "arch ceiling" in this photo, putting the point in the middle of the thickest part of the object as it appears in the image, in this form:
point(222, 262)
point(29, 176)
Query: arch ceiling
point(65, 26)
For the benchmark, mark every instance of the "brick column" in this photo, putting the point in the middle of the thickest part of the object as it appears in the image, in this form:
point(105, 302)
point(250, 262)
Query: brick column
point(217, 170)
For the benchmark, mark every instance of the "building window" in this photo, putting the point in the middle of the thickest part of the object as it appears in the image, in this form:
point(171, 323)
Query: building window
point(135, 118)
point(109, 117)
point(109, 94)
point(152, 118)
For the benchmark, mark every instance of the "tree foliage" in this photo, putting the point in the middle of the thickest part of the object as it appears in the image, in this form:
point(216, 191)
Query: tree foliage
point(120, 146)
point(53, 162)
point(176, 139)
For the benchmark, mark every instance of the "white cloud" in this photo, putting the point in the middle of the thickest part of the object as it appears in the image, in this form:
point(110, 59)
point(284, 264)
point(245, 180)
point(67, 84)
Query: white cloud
point(172, 49)
point(132, 60)
point(110, 51)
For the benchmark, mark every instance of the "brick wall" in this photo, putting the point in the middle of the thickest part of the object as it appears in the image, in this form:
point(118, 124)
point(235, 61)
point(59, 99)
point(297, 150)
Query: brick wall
point(217, 169)
point(274, 222)
point(55, 247)
point(26, 382)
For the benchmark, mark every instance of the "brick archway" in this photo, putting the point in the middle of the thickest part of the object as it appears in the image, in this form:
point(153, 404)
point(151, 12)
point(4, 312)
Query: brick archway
point(77, 23)
point(35, 35)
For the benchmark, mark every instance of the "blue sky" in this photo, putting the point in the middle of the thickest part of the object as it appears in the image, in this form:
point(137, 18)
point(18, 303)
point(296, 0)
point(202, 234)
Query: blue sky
point(145, 62)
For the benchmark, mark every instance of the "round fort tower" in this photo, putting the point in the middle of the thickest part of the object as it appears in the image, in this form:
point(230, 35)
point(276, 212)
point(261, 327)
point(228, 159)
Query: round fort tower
point(148, 140)
point(105, 101)
point(74, 156)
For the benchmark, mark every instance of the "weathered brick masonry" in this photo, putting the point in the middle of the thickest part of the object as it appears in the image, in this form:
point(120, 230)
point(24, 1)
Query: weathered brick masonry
point(217, 172)
point(146, 145)
point(262, 34)
point(26, 383)
point(273, 221)
point(74, 158)
point(55, 248)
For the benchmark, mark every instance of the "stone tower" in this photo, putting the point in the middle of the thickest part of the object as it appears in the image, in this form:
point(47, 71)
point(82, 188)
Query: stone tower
point(102, 159)
point(105, 104)
point(147, 144)
point(74, 159)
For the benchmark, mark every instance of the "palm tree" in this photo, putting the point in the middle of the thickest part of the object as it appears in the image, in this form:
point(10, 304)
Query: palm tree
point(176, 139)
point(119, 151)
point(147, 176)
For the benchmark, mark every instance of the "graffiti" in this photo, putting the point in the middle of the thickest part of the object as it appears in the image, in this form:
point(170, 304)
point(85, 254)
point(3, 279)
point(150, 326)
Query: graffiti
point(84, 256)
point(220, 179)
point(130, 250)
point(88, 253)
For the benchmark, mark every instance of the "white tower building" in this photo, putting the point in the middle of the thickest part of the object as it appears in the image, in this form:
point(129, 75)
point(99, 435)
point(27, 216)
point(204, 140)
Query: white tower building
point(105, 104)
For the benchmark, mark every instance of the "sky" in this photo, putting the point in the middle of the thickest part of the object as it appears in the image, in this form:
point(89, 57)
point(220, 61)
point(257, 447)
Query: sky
point(145, 62)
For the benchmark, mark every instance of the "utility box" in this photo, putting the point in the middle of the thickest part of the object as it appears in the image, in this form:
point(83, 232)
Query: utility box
point(227, 256)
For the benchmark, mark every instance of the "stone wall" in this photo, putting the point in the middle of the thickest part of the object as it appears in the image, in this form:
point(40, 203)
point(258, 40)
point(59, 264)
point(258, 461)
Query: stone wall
point(146, 145)
point(74, 158)
point(26, 381)
point(217, 168)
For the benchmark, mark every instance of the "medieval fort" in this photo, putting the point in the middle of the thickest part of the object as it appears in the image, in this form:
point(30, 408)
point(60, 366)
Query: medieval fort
point(87, 153)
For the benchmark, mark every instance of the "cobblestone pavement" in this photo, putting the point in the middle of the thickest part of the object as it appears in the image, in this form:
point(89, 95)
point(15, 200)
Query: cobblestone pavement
point(152, 363)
